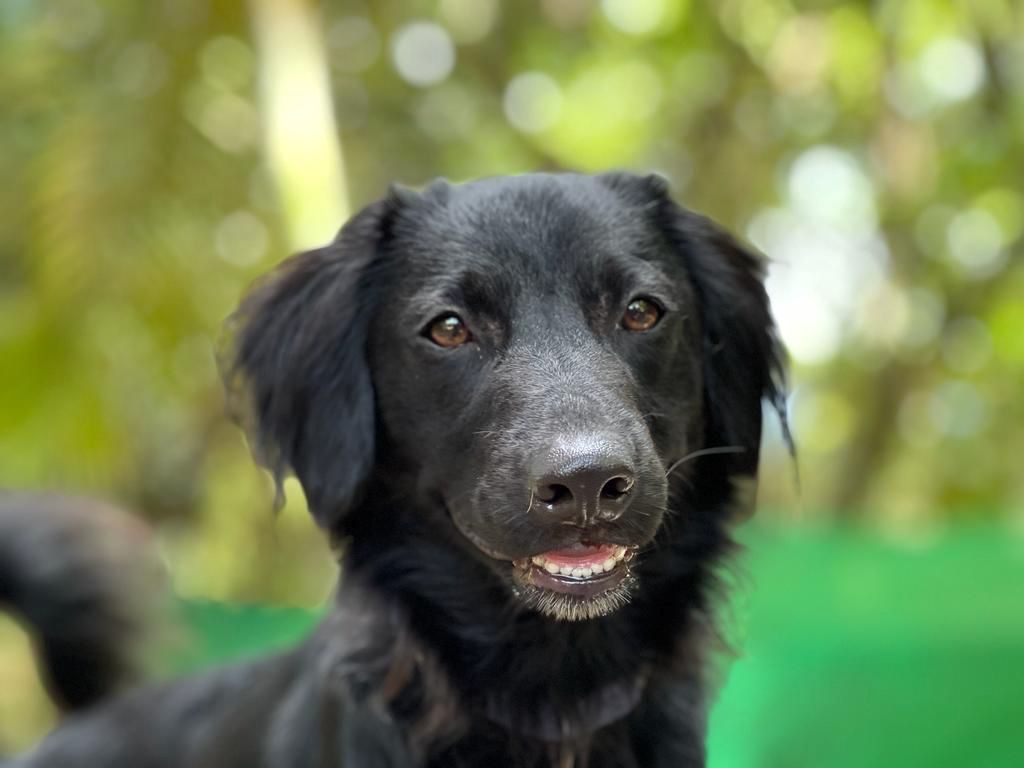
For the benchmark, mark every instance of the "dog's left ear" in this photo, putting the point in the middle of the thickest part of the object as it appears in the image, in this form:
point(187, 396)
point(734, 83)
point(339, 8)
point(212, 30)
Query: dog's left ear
point(743, 363)
point(295, 366)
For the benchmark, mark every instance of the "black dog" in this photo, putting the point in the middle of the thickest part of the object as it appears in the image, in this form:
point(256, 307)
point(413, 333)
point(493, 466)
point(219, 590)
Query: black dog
point(527, 408)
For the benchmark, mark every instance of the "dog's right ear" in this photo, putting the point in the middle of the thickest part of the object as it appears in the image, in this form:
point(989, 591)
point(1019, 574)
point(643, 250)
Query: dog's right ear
point(295, 368)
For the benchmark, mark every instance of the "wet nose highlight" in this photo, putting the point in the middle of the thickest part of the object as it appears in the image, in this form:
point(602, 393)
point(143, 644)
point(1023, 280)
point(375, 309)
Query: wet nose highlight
point(579, 487)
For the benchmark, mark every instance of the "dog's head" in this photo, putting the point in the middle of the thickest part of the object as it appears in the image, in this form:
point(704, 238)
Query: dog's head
point(537, 357)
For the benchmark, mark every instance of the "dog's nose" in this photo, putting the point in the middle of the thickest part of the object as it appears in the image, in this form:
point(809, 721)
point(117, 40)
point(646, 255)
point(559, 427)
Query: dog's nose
point(580, 487)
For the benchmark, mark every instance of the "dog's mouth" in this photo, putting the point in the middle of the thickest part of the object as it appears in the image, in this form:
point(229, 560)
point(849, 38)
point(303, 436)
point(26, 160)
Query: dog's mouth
point(584, 581)
point(584, 570)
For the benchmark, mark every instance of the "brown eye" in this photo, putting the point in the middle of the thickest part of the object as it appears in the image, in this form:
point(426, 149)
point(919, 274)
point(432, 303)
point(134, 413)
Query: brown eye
point(641, 315)
point(448, 331)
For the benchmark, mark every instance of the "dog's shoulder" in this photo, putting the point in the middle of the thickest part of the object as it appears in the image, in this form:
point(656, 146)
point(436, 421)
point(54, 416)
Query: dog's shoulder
point(381, 679)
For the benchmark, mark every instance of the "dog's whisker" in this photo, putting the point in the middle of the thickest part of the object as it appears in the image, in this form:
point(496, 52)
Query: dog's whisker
point(654, 415)
point(705, 452)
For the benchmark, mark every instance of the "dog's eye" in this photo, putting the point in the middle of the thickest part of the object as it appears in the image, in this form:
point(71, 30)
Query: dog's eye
point(641, 315)
point(448, 330)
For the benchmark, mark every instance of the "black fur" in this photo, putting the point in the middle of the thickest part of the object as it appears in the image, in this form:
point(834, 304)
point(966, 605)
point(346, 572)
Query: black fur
point(69, 571)
point(423, 462)
point(301, 347)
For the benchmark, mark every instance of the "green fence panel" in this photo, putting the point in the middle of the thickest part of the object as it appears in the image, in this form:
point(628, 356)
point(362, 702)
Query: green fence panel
point(860, 652)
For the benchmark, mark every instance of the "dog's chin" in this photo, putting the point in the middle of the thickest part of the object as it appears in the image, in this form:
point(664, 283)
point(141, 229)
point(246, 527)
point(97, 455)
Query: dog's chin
point(561, 606)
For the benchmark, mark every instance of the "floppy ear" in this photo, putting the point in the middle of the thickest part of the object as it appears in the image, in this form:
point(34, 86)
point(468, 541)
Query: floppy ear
point(743, 359)
point(744, 362)
point(296, 372)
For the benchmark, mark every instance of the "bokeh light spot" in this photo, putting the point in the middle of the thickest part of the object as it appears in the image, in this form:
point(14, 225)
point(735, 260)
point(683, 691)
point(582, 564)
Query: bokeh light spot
point(229, 121)
point(241, 239)
point(952, 69)
point(634, 17)
point(827, 184)
point(533, 102)
point(799, 56)
point(470, 21)
point(975, 243)
point(423, 53)
point(884, 315)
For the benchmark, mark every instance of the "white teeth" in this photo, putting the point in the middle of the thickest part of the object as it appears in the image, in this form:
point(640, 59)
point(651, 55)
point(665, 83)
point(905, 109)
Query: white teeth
point(618, 554)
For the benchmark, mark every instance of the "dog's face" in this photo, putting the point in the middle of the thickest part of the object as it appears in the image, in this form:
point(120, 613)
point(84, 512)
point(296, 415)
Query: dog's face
point(532, 356)
point(533, 336)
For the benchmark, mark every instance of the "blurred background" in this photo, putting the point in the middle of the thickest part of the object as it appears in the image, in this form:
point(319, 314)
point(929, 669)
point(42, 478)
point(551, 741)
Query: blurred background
point(158, 156)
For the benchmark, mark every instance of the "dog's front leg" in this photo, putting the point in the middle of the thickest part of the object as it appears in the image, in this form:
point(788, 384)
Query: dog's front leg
point(356, 734)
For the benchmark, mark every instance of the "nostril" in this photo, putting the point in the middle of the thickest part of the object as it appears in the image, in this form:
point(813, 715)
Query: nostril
point(616, 488)
point(553, 493)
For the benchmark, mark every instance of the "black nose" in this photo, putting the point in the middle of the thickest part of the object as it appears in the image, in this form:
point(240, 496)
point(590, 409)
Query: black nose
point(583, 484)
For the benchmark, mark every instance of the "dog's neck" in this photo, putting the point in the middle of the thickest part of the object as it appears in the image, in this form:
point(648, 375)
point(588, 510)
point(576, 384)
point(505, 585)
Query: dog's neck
point(547, 723)
point(414, 684)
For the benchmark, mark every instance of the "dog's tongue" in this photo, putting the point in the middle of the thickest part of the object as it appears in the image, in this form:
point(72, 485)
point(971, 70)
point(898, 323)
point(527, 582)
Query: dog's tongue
point(581, 556)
